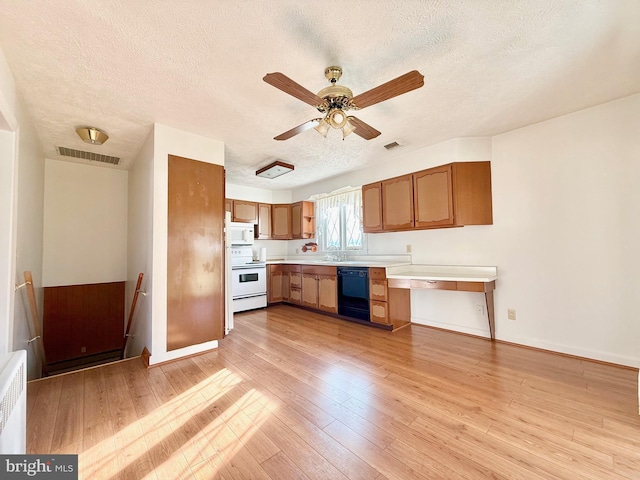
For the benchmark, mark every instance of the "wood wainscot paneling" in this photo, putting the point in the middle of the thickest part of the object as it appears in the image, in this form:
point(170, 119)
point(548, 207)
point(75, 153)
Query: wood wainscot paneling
point(195, 253)
point(82, 320)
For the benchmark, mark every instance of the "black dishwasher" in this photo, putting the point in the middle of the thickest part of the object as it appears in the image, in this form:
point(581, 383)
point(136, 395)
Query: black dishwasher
point(353, 292)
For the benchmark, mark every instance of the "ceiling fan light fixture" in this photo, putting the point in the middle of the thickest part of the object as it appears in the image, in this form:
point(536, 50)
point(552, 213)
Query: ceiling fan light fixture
point(323, 127)
point(347, 129)
point(92, 135)
point(275, 169)
point(336, 118)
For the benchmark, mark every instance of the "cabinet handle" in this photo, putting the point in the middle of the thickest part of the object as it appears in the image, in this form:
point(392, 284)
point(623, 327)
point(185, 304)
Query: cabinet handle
point(432, 281)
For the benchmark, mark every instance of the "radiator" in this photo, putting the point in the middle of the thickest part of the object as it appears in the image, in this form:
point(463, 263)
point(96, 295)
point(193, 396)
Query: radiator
point(13, 403)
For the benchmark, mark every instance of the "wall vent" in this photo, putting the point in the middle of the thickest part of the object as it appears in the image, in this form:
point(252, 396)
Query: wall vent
point(94, 157)
point(392, 145)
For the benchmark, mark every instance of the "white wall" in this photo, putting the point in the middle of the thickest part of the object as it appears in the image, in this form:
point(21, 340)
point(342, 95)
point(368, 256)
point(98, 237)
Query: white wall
point(8, 171)
point(566, 204)
point(140, 247)
point(567, 232)
point(85, 224)
point(21, 216)
point(169, 141)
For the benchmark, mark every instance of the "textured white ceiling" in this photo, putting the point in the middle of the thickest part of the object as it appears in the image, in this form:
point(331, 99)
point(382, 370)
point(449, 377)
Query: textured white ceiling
point(490, 66)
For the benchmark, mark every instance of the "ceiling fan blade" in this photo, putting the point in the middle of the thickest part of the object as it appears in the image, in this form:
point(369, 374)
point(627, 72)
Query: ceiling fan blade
point(365, 130)
point(299, 129)
point(284, 83)
point(403, 84)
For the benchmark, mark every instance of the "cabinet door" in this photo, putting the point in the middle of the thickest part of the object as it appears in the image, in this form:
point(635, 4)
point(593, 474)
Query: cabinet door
point(245, 211)
point(286, 286)
point(310, 290)
point(472, 193)
point(372, 207)
point(264, 221)
point(281, 221)
point(295, 280)
point(433, 197)
point(228, 206)
point(328, 293)
point(275, 284)
point(296, 220)
point(397, 203)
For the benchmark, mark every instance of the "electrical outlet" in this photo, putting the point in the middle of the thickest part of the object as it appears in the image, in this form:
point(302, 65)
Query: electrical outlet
point(409, 248)
point(511, 314)
point(297, 251)
point(480, 310)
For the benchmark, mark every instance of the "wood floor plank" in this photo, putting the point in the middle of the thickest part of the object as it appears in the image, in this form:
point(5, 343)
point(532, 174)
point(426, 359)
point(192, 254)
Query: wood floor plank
point(41, 418)
point(293, 394)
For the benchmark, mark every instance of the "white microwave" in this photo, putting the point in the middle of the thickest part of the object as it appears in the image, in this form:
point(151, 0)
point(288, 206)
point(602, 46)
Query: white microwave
point(242, 233)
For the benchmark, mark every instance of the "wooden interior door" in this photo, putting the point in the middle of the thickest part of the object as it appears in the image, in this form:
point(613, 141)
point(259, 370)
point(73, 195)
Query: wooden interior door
point(195, 253)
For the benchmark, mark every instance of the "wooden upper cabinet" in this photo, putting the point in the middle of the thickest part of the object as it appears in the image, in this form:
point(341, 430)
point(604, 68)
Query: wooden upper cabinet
point(453, 195)
point(397, 203)
point(472, 204)
point(228, 206)
point(264, 221)
point(372, 207)
point(281, 221)
point(433, 197)
point(244, 211)
point(302, 220)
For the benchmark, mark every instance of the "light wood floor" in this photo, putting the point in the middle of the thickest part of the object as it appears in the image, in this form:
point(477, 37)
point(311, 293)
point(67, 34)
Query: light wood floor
point(296, 395)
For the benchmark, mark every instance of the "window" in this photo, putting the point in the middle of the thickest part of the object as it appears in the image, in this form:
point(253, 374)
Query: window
point(339, 216)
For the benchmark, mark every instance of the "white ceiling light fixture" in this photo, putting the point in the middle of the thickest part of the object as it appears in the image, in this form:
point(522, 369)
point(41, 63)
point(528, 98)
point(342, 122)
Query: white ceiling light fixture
point(92, 135)
point(275, 169)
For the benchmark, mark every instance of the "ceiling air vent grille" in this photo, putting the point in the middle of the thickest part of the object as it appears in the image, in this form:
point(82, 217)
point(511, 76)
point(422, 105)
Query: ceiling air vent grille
point(94, 157)
point(392, 145)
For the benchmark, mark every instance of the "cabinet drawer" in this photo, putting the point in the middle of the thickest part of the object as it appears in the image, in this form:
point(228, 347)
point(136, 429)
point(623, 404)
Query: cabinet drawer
point(435, 284)
point(379, 312)
point(295, 296)
point(319, 270)
point(295, 280)
point(291, 268)
point(378, 290)
point(378, 273)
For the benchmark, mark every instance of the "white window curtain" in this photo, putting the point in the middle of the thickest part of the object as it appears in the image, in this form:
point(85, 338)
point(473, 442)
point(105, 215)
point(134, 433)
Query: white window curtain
point(339, 219)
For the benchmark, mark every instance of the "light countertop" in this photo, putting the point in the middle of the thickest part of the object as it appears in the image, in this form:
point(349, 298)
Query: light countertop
point(459, 273)
point(346, 263)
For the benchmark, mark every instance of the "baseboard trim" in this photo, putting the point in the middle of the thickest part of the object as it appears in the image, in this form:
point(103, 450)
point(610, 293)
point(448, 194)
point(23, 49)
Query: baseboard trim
point(145, 356)
point(159, 364)
point(531, 347)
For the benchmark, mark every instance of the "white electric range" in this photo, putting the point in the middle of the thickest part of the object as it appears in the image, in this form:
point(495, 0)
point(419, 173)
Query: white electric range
point(249, 280)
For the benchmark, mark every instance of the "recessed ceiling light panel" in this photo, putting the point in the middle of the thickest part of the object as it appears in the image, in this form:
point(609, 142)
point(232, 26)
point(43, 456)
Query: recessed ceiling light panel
point(275, 170)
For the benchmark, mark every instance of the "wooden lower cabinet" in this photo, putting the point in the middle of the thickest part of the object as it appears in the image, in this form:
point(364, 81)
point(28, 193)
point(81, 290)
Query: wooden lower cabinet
point(388, 306)
point(320, 288)
point(311, 286)
point(310, 290)
point(295, 287)
point(328, 293)
point(379, 308)
point(275, 282)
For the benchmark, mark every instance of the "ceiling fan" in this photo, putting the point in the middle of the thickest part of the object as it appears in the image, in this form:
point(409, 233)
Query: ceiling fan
point(334, 101)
